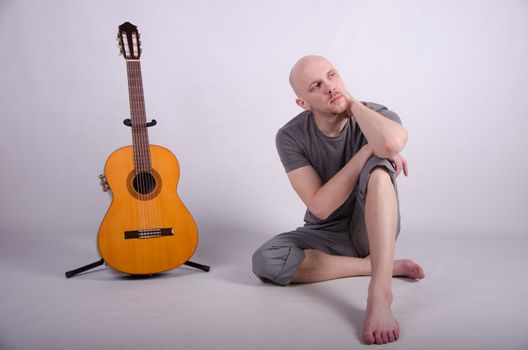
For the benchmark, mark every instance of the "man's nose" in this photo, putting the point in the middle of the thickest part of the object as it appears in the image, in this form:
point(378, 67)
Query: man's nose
point(330, 87)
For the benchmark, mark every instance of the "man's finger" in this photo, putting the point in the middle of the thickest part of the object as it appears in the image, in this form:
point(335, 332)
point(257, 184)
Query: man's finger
point(398, 166)
point(405, 168)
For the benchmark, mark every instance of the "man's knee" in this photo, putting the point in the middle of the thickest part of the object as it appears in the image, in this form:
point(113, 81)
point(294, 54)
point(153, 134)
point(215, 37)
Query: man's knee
point(379, 176)
point(276, 264)
point(376, 170)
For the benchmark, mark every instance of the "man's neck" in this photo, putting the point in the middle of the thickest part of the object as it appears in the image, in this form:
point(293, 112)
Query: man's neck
point(330, 125)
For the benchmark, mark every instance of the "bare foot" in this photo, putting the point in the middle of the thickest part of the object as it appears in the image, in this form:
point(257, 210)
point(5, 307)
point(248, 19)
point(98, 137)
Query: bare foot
point(407, 268)
point(380, 325)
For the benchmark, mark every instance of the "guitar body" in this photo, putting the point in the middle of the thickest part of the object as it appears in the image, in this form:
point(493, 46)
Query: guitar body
point(147, 229)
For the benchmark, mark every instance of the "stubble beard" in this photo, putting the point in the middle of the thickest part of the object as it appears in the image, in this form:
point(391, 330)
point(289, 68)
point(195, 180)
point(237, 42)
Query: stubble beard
point(338, 109)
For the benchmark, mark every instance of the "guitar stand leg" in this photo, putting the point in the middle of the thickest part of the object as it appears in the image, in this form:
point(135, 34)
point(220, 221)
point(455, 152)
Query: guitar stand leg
point(72, 273)
point(197, 266)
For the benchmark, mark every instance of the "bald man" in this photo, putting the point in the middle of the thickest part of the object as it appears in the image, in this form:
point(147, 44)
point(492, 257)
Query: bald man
point(342, 157)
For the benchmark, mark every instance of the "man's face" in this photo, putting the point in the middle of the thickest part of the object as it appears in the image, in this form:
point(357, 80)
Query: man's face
point(319, 86)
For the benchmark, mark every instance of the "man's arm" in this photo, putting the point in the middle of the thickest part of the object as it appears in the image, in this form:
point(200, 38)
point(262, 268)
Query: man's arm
point(386, 137)
point(322, 200)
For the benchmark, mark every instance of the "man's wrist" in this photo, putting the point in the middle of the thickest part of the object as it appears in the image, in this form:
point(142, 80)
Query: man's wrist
point(356, 106)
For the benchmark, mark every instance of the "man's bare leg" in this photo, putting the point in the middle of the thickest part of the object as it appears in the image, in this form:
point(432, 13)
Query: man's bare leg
point(381, 219)
point(318, 266)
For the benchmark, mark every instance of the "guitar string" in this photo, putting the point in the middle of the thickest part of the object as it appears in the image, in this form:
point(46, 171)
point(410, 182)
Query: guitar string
point(136, 156)
point(152, 203)
point(149, 181)
point(150, 161)
point(140, 119)
point(144, 147)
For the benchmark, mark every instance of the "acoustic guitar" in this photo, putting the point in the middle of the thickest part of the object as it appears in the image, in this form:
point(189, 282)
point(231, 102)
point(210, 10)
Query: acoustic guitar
point(147, 228)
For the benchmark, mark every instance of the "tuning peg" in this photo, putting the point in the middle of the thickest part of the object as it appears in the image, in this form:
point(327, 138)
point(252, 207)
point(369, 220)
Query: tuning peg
point(103, 183)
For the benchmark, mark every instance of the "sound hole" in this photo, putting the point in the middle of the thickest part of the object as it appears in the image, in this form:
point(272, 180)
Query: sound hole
point(144, 183)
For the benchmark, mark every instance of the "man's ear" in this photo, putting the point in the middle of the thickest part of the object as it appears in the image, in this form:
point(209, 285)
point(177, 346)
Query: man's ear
point(302, 103)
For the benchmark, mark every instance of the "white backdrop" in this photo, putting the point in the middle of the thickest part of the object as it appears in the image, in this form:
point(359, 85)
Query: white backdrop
point(215, 77)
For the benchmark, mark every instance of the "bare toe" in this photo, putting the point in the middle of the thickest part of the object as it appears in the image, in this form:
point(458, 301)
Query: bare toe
point(377, 335)
point(368, 338)
point(391, 336)
point(385, 337)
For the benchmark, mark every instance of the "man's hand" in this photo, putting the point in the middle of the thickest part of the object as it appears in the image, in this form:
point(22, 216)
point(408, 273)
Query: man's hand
point(400, 163)
point(350, 101)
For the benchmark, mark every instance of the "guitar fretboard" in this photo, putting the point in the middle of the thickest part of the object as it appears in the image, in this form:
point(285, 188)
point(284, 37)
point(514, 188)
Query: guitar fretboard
point(140, 139)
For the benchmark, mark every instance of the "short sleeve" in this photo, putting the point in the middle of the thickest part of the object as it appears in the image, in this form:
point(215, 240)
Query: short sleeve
point(290, 152)
point(384, 111)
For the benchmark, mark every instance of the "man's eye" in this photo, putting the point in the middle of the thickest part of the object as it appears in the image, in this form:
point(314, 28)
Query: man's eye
point(314, 86)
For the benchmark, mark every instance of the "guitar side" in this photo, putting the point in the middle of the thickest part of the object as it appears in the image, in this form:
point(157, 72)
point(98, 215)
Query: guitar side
point(145, 233)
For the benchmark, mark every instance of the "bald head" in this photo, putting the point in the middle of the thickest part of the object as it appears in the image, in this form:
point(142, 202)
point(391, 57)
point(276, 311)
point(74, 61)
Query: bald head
point(300, 71)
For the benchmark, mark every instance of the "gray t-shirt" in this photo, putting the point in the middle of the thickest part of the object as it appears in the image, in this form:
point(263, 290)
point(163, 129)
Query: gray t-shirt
point(301, 143)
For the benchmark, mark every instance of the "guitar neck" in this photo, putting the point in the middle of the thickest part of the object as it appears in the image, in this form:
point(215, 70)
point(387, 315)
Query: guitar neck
point(140, 139)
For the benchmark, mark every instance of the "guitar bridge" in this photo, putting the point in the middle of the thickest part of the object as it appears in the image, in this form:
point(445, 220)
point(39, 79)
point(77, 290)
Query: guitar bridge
point(149, 233)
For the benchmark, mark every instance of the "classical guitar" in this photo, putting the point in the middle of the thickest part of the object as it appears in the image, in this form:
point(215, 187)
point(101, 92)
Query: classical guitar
point(147, 228)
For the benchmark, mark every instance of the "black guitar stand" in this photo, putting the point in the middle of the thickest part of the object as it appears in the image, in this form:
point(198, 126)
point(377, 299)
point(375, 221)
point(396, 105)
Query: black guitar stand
point(72, 273)
point(128, 122)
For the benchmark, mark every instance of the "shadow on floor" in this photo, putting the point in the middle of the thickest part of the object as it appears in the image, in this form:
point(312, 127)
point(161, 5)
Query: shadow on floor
point(339, 304)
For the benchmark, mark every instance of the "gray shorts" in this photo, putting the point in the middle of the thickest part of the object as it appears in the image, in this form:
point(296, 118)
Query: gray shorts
point(277, 260)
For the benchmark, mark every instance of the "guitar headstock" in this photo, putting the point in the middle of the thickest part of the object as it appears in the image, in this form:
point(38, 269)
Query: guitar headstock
point(129, 42)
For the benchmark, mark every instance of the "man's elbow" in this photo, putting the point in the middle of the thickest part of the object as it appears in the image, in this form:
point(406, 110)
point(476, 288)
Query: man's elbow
point(319, 212)
point(392, 146)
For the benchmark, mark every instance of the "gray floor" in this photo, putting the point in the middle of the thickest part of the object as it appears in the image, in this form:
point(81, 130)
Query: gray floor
point(475, 296)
